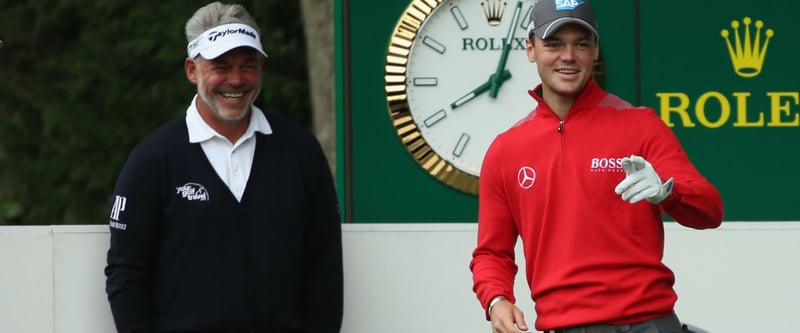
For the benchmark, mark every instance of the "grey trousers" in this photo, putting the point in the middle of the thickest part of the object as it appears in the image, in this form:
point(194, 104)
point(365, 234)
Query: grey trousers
point(667, 324)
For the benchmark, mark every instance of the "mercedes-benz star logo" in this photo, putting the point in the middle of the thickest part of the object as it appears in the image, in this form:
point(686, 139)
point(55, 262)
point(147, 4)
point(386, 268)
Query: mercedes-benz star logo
point(526, 176)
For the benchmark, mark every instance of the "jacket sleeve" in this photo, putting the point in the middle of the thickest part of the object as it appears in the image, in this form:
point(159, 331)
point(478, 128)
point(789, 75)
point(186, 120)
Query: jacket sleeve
point(324, 299)
point(694, 202)
point(493, 264)
point(134, 224)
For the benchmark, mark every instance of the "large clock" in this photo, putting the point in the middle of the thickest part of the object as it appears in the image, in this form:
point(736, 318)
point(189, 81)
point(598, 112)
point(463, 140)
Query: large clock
point(456, 76)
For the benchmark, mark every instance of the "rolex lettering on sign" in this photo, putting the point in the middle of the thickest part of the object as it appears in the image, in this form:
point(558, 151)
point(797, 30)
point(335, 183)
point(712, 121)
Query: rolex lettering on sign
point(456, 77)
point(746, 43)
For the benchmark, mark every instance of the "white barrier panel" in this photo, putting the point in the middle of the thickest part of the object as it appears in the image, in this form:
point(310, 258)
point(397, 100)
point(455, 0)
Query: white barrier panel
point(415, 278)
point(26, 281)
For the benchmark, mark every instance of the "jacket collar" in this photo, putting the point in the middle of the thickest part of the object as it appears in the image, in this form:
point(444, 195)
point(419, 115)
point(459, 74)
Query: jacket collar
point(587, 98)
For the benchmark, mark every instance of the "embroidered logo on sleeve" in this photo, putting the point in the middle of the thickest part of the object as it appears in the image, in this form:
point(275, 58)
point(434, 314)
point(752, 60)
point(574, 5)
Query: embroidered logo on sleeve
point(116, 210)
point(193, 192)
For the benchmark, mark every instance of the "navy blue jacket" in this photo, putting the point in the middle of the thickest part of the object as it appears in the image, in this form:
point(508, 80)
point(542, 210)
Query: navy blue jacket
point(186, 256)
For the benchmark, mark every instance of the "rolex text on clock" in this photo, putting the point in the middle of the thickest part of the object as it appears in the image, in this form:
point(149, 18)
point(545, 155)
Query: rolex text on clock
point(456, 77)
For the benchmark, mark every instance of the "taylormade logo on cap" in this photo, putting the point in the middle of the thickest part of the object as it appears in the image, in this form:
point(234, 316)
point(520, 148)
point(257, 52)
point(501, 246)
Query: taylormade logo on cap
point(213, 35)
point(220, 39)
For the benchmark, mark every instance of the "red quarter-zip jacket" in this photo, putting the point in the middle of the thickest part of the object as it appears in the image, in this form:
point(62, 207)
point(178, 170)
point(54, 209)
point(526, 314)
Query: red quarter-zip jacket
point(590, 257)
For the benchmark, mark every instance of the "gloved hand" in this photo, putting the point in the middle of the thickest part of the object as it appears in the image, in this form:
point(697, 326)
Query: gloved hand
point(642, 182)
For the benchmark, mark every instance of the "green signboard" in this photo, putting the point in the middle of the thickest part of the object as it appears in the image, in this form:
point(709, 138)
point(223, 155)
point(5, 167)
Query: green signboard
point(688, 60)
point(721, 74)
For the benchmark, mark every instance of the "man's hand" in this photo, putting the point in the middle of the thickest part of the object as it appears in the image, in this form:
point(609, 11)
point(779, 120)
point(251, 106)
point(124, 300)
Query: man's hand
point(642, 182)
point(507, 318)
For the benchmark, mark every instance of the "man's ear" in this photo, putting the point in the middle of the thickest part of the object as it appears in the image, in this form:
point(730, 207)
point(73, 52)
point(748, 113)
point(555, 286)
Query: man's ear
point(529, 50)
point(191, 70)
point(596, 51)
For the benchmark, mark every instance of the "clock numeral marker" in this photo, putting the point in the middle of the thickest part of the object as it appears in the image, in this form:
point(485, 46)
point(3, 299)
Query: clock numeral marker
point(462, 22)
point(435, 118)
point(469, 96)
point(461, 145)
point(425, 81)
point(433, 44)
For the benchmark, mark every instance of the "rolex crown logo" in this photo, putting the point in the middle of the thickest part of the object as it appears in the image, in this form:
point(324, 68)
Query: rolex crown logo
point(493, 9)
point(748, 55)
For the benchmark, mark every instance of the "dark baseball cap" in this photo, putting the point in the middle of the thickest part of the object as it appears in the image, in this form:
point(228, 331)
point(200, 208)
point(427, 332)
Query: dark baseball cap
point(550, 15)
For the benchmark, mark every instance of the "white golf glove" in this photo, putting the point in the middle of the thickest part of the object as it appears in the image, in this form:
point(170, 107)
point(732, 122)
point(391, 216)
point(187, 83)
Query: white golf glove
point(642, 182)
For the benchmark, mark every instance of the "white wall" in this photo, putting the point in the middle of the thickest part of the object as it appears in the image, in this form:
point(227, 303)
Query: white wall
point(415, 278)
point(52, 280)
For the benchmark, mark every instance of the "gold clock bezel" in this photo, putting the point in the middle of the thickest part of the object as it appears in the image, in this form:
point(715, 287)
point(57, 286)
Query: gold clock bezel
point(397, 100)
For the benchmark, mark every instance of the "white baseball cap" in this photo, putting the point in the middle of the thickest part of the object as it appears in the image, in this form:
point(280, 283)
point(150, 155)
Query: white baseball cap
point(216, 41)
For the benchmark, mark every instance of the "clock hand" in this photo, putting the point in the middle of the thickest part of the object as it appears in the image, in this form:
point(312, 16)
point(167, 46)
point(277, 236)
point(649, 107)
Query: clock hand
point(505, 75)
point(496, 82)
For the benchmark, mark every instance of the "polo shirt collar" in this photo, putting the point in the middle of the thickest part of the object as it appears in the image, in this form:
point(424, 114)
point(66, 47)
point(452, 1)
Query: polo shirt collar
point(200, 131)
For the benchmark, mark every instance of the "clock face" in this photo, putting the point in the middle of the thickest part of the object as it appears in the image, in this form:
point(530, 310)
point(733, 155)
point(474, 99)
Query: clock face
point(455, 79)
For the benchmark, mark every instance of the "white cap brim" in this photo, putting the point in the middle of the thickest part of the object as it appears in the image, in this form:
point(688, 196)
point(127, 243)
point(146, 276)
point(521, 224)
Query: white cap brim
point(216, 41)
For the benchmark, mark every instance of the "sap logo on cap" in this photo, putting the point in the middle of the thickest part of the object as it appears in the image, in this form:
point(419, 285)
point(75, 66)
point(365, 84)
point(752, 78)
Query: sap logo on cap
point(193, 192)
point(568, 4)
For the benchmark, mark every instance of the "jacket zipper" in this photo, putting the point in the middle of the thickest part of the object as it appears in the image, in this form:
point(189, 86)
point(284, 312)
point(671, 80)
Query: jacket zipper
point(563, 143)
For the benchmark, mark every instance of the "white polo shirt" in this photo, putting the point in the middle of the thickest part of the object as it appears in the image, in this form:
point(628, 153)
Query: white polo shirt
point(231, 161)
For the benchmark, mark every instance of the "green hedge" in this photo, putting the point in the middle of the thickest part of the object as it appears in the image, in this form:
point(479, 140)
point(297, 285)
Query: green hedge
point(81, 82)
